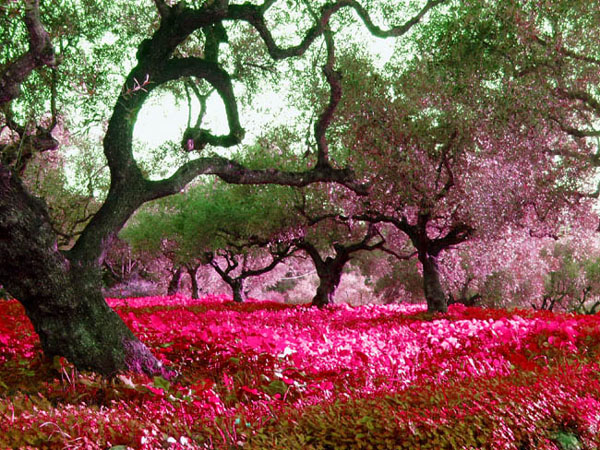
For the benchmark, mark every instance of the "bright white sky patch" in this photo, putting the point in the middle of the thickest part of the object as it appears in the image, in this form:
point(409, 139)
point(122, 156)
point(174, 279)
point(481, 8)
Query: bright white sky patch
point(162, 119)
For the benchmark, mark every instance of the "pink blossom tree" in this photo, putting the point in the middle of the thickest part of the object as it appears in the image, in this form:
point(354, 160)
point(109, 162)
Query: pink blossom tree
point(453, 155)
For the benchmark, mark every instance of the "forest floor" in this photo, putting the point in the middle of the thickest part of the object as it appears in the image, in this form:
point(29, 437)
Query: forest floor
point(268, 375)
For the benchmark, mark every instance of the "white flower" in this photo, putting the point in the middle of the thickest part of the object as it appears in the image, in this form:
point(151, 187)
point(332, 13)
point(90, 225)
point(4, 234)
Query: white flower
point(286, 351)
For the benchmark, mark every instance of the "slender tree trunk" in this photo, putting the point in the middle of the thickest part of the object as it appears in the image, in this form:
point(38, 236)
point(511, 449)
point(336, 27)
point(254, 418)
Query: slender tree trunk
point(434, 294)
point(193, 271)
point(62, 298)
point(174, 283)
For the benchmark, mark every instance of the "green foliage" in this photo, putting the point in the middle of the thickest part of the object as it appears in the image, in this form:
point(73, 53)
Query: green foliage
point(574, 283)
point(283, 285)
point(456, 418)
point(495, 287)
point(70, 204)
point(568, 441)
point(91, 40)
point(403, 278)
point(211, 216)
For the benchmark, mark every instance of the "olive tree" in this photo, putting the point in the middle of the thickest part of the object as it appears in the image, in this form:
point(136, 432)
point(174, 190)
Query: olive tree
point(60, 290)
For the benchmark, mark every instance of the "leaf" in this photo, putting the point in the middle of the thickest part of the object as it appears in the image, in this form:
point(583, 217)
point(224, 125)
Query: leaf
point(568, 441)
point(276, 387)
point(161, 383)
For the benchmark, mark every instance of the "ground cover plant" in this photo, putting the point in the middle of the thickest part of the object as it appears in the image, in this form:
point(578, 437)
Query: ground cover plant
point(269, 375)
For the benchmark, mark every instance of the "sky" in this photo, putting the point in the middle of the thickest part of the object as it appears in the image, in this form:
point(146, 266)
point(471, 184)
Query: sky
point(162, 119)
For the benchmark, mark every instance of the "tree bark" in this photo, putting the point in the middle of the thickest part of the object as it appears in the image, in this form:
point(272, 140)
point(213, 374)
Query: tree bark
point(237, 286)
point(63, 300)
point(193, 272)
point(434, 293)
point(40, 53)
point(173, 287)
point(330, 275)
point(89, 334)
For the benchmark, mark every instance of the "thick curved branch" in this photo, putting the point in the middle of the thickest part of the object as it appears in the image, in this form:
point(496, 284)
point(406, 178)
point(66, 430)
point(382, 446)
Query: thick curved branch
point(457, 234)
point(567, 52)
point(215, 36)
point(163, 9)
point(18, 153)
point(334, 79)
point(311, 251)
point(575, 132)
point(254, 15)
point(224, 274)
point(41, 53)
point(585, 97)
point(418, 233)
point(235, 173)
point(197, 138)
point(375, 217)
point(398, 256)
point(277, 257)
point(343, 253)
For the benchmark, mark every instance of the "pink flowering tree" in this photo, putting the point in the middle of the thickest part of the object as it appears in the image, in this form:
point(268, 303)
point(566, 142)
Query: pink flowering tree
point(451, 153)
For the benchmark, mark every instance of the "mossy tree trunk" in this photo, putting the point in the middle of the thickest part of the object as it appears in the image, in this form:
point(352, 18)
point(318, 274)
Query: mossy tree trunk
point(62, 298)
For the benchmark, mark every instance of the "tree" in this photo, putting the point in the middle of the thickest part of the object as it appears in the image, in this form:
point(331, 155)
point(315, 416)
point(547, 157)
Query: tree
point(61, 290)
point(453, 157)
point(230, 261)
point(573, 282)
point(329, 268)
point(224, 226)
point(331, 238)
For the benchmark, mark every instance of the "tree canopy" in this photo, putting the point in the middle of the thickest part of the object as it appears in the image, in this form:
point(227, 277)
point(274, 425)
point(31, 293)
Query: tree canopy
point(60, 66)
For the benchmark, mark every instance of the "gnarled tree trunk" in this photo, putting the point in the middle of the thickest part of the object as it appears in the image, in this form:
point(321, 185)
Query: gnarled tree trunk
point(330, 275)
point(434, 293)
point(330, 269)
point(62, 299)
point(173, 287)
